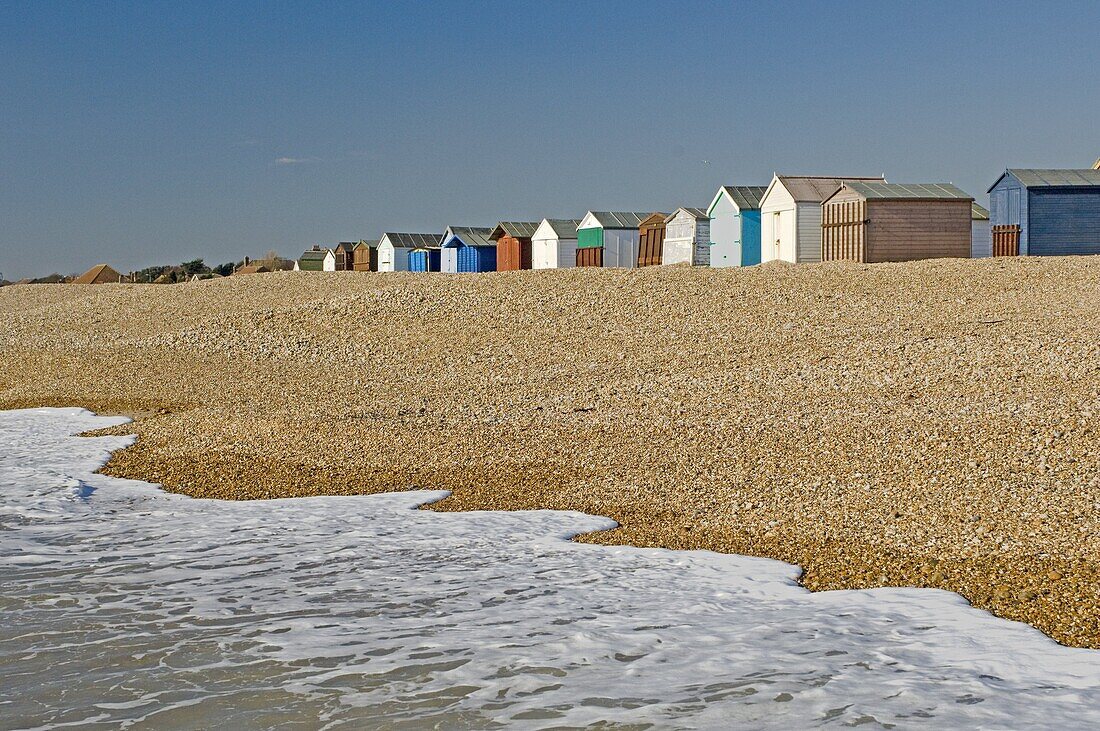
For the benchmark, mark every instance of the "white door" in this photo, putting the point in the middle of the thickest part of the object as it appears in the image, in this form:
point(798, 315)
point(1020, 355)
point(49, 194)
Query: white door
point(448, 260)
point(385, 258)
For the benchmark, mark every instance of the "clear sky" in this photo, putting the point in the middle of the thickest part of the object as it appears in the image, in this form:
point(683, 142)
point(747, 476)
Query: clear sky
point(153, 132)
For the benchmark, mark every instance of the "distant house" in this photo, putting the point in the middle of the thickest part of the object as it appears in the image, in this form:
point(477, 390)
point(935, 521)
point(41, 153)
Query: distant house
point(55, 278)
point(364, 256)
point(735, 225)
point(1038, 212)
point(687, 238)
point(874, 221)
point(513, 240)
point(609, 239)
point(554, 244)
point(204, 277)
point(981, 234)
point(252, 268)
point(99, 274)
point(790, 216)
point(317, 260)
point(344, 256)
point(466, 249)
point(393, 249)
point(651, 239)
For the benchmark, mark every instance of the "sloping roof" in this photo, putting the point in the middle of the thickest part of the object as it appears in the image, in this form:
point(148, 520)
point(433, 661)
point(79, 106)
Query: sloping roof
point(907, 191)
point(99, 274)
point(564, 228)
point(813, 188)
point(619, 219)
point(518, 229)
point(978, 213)
point(745, 196)
point(1038, 178)
point(469, 235)
point(369, 243)
point(411, 241)
point(697, 213)
point(314, 255)
point(252, 269)
point(346, 246)
point(1096, 165)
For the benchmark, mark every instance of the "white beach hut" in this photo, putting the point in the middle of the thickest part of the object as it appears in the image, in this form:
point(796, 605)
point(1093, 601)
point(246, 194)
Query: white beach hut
point(687, 238)
point(790, 216)
point(611, 236)
point(394, 248)
point(554, 244)
point(981, 233)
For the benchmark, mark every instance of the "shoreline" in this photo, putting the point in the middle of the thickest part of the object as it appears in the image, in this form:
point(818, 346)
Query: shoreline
point(871, 425)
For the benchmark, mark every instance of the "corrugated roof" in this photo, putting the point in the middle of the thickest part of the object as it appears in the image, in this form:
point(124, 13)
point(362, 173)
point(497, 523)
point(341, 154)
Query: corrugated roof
point(1040, 178)
point(314, 255)
point(813, 188)
point(346, 246)
point(908, 191)
point(369, 243)
point(564, 228)
point(519, 229)
point(411, 241)
point(619, 219)
point(469, 235)
point(978, 213)
point(746, 196)
point(99, 274)
point(697, 213)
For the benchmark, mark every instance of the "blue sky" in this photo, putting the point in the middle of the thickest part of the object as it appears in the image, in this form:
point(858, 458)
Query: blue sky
point(152, 132)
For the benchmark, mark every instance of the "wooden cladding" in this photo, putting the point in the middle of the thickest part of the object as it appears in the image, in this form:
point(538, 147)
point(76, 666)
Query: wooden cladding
point(844, 231)
point(651, 242)
point(590, 257)
point(1006, 240)
point(513, 253)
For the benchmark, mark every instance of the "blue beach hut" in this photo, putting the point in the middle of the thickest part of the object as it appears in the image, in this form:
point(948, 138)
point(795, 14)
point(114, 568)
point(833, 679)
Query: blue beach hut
point(1038, 212)
point(735, 225)
point(467, 249)
point(424, 260)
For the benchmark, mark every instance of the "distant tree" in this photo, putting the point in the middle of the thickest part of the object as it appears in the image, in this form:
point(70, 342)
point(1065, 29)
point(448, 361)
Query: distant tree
point(224, 269)
point(193, 267)
point(148, 274)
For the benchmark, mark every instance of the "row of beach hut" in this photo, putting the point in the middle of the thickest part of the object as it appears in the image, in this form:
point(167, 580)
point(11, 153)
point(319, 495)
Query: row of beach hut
point(796, 218)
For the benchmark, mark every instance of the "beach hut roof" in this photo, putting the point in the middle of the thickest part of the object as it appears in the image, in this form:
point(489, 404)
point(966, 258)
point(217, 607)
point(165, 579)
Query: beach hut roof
point(619, 219)
point(518, 229)
point(697, 213)
point(814, 188)
point(315, 255)
point(370, 244)
point(411, 241)
point(876, 190)
point(1048, 178)
point(563, 228)
point(745, 197)
point(346, 246)
point(99, 274)
point(978, 213)
point(469, 235)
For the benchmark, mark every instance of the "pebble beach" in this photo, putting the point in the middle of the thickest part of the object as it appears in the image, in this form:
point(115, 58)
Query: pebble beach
point(929, 424)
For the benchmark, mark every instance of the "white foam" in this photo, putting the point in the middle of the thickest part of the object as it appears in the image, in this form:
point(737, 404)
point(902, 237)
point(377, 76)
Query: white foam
point(125, 603)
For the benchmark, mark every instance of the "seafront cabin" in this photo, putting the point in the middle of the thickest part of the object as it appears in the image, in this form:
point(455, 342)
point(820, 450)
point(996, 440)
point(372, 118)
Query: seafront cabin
point(554, 244)
point(873, 221)
point(99, 274)
point(651, 239)
point(364, 256)
point(344, 256)
point(467, 249)
point(393, 249)
point(981, 234)
point(687, 238)
point(735, 225)
point(424, 259)
point(609, 239)
point(316, 260)
point(1037, 212)
point(513, 239)
point(790, 216)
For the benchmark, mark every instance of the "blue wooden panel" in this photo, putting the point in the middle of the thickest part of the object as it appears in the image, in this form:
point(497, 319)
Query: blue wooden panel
point(477, 258)
point(750, 237)
point(424, 261)
point(1063, 221)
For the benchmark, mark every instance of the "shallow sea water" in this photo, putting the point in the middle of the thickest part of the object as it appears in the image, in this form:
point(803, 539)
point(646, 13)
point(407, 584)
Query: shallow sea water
point(122, 606)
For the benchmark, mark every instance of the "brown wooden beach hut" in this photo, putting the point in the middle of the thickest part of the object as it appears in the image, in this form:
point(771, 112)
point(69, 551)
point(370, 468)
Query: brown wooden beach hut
point(344, 256)
point(513, 244)
point(651, 239)
point(364, 257)
point(870, 221)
